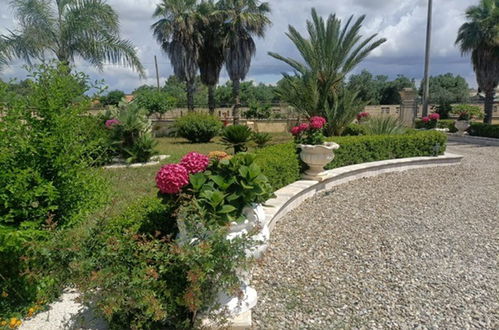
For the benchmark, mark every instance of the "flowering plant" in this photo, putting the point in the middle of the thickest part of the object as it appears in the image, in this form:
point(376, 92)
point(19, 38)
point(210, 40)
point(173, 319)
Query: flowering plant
point(362, 116)
point(194, 162)
point(311, 132)
point(112, 122)
point(431, 121)
point(466, 112)
point(172, 178)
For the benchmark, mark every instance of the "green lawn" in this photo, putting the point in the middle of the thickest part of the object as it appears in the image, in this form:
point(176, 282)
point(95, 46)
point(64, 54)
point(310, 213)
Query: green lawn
point(128, 185)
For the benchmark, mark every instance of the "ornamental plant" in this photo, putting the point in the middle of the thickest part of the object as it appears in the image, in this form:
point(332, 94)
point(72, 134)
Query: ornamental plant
point(362, 117)
point(467, 112)
point(311, 132)
point(431, 121)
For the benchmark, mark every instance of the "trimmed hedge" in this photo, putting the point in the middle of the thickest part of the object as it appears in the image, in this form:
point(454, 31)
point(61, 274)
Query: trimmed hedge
point(280, 163)
point(484, 130)
point(442, 123)
point(354, 130)
point(370, 148)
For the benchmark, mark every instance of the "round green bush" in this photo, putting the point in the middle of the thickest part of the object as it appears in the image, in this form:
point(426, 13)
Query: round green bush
point(198, 127)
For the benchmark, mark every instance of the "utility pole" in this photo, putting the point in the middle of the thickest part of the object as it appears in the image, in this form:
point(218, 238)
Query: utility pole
point(157, 71)
point(426, 88)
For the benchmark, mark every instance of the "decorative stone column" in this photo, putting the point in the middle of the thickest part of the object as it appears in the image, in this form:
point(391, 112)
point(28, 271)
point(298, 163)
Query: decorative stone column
point(408, 107)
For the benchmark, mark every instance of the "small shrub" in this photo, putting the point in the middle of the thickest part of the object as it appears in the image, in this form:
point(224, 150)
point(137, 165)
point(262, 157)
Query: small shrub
point(198, 127)
point(442, 123)
point(261, 139)
point(155, 102)
point(485, 130)
point(383, 125)
point(467, 111)
point(280, 164)
point(112, 98)
point(237, 137)
point(354, 130)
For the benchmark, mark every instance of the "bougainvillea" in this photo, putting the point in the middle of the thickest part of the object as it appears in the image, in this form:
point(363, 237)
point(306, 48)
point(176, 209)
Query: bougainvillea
point(434, 116)
point(111, 122)
point(425, 119)
point(195, 162)
point(171, 178)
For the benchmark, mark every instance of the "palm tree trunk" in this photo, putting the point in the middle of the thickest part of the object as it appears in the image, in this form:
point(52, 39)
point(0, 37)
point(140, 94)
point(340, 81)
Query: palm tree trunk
point(236, 86)
point(489, 105)
point(191, 88)
point(211, 99)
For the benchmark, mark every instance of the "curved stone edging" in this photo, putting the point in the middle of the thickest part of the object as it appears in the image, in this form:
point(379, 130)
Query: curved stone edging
point(294, 194)
point(470, 139)
point(154, 161)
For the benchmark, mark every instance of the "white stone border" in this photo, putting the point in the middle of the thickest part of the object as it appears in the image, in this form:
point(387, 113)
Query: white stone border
point(469, 139)
point(291, 196)
point(155, 160)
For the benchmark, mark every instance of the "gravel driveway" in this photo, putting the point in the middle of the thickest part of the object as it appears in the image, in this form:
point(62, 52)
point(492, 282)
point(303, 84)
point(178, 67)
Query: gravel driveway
point(416, 249)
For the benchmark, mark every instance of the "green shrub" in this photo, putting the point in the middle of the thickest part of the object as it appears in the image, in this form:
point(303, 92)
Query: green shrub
point(354, 130)
point(237, 137)
point(369, 148)
point(442, 123)
point(198, 127)
point(485, 130)
point(279, 163)
point(46, 181)
point(112, 98)
point(155, 102)
point(256, 111)
point(261, 139)
point(383, 125)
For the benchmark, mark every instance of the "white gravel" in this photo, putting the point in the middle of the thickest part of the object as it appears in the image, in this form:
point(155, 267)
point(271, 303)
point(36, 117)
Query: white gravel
point(415, 249)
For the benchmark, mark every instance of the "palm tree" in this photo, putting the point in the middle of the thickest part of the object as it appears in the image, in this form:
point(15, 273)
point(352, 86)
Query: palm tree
point(329, 54)
point(178, 33)
point(243, 20)
point(480, 37)
point(211, 53)
point(70, 28)
point(4, 56)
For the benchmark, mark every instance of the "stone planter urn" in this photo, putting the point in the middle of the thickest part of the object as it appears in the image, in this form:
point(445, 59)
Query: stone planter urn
point(316, 157)
point(462, 126)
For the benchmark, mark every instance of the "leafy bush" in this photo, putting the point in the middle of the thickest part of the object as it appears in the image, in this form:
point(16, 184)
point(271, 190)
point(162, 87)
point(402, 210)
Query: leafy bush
point(280, 164)
point(155, 102)
point(131, 132)
point(237, 137)
point(467, 111)
point(442, 123)
point(369, 148)
point(112, 98)
point(354, 130)
point(198, 127)
point(383, 125)
point(46, 181)
point(261, 139)
point(256, 111)
point(485, 130)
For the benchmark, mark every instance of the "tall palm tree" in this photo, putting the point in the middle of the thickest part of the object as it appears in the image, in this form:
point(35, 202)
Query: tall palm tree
point(480, 37)
point(4, 55)
point(70, 28)
point(211, 53)
point(329, 53)
point(243, 20)
point(177, 31)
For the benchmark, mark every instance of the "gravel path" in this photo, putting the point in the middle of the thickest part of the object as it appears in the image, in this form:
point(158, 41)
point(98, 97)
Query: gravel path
point(416, 249)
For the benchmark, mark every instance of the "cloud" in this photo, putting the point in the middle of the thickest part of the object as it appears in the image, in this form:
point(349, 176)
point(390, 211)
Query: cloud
point(402, 22)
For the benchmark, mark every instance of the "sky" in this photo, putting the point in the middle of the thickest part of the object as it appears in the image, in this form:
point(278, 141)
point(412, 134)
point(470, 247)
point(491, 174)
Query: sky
point(401, 22)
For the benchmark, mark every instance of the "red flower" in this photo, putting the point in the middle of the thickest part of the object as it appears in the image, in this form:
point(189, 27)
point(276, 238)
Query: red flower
point(434, 116)
point(171, 178)
point(194, 162)
point(425, 119)
point(304, 127)
point(296, 130)
point(317, 122)
point(362, 115)
point(111, 122)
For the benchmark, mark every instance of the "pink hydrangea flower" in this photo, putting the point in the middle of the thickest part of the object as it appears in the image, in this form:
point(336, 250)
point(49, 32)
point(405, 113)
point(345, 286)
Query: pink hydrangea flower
point(111, 122)
point(171, 178)
point(303, 127)
point(425, 119)
point(194, 162)
point(296, 130)
point(434, 116)
point(317, 122)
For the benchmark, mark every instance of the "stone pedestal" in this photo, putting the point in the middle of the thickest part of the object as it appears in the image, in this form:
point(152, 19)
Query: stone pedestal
point(408, 107)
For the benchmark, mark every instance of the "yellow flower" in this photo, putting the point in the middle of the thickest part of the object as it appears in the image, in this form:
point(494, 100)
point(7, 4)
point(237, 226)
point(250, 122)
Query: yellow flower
point(218, 155)
point(31, 311)
point(4, 294)
point(18, 323)
point(13, 323)
point(3, 323)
